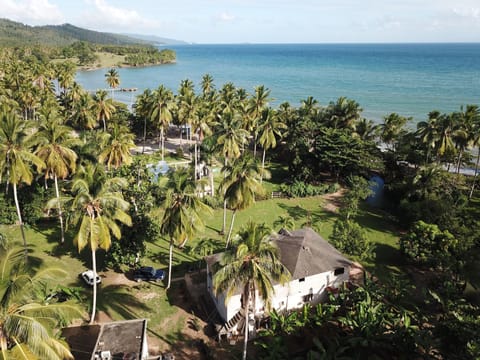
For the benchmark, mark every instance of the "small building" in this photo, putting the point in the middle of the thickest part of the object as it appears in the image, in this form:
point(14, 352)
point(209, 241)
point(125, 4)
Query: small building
point(315, 267)
point(108, 341)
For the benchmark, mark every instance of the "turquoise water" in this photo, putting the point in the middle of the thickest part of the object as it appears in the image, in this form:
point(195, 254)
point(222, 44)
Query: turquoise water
point(410, 79)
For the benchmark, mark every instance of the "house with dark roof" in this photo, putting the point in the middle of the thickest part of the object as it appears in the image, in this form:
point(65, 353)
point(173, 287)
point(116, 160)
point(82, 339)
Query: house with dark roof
point(315, 267)
point(123, 340)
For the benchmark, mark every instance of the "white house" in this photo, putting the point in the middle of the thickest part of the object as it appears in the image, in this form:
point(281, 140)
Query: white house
point(314, 265)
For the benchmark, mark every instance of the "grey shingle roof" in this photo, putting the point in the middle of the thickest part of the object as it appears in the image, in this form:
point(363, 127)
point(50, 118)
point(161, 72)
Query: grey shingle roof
point(305, 253)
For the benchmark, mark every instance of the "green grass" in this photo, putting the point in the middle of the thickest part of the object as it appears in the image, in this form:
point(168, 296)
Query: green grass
point(151, 300)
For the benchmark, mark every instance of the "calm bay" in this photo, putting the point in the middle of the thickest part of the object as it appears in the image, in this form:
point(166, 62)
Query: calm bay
point(410, 79)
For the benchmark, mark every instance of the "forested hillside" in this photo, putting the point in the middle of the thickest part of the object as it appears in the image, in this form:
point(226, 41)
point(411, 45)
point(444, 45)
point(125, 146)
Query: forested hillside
point(17, 34)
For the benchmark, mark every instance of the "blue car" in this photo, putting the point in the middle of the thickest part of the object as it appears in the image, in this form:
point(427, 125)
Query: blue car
point(148, 273)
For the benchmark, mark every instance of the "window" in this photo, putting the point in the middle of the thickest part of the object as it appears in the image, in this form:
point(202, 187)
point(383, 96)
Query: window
point(339, 271)
point(301, 280)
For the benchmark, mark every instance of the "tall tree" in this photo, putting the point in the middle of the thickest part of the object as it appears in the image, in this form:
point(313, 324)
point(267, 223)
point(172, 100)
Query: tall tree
point(252, 265)
point(230, 140)
point(27, 324)
point(161, 112)
point(113, 79)
point(102, 107)
point(181, 219)
point(117, 146)
point(270, 129)
point(54, 146)
point(257, 103)
point(241, 184)
point(95, 205)
point(16, 157)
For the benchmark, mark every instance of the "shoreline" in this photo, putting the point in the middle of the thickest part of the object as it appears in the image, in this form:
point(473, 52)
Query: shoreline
point(123, 66)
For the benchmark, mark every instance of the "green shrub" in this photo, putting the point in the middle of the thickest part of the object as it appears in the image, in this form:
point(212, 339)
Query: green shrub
point(302, 189)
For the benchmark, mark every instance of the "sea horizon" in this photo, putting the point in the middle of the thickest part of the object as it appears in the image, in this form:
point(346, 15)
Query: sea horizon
point(411, 79)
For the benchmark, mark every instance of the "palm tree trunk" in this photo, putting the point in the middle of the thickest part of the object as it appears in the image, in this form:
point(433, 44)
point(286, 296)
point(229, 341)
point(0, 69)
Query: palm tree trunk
point(475, 176)
point(170, 256)
point(195, 162)
point(263, 165)
point(144, 134)
point(94, 305)
point(459, 161)
point(245, 340)
point(104, 124)
point(162, 142)
point(255, 145)
point(231, 229)
point(212, 182)
point(224, 206)
point(60, 215)
point(17, 205)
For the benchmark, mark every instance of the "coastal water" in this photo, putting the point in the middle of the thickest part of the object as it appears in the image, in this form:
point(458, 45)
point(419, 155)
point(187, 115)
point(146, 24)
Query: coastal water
point(410, 79)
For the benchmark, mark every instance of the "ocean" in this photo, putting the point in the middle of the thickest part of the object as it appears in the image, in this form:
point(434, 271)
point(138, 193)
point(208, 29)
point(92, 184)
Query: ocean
point(409, 79)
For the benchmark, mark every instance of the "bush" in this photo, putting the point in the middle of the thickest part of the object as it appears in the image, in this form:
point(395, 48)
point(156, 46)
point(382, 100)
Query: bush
point(302, 189)
point(350, 238)
point(8, 214)
point(426, 244)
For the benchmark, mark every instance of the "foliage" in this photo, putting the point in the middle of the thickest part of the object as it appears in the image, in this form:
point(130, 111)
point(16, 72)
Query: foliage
point(301, 189)
point(27, 324)
point(8, 215)
point(350, 238)
point(426, 244)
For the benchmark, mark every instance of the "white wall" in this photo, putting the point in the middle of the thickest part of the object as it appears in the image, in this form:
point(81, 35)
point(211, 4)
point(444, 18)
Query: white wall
point(288, 297)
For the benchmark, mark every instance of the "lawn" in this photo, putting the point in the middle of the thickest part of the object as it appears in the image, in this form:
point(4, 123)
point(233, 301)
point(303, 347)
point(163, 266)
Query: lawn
point(167, 315)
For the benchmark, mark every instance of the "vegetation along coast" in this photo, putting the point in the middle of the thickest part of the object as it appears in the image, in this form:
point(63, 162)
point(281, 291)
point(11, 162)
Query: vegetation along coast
point(203, 223)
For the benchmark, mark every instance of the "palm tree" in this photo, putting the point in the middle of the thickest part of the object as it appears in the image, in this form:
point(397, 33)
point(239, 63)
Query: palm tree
point(427, 132)
point(285, 221)
point(181, 219)
point(54, 146)
point(270, 128)
point(252, 265)
point(117, 146)
point(258, 102)
point(27, 324)
point(162, 106)
point(391, 129)
point(103, 107)
point(112, 79)
point(208, 88)
point(82, 115)
point(95, 207)
point(230, 139)
point(344, 113)
point(16, 157)
point(142, 110)
point(241, 184)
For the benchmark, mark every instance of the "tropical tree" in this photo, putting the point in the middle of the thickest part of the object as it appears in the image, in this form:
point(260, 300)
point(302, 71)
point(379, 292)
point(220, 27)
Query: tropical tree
point(270, 128)
point(252, 265)
point(391, 129)
point(344, 113)
point(28, 324)
point(82, 115)
point(241, 184)
point(113, 79)
point(103, 107)
point(117, 146)
point(181, 219)
point(54, 146)
point(162, 106)
point(16, 157)
point(142, 110)
point(230, 139)
point(257, 103)
point(95, 205)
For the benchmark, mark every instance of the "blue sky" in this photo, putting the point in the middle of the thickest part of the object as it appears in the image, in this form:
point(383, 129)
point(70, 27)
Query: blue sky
point(263, 21)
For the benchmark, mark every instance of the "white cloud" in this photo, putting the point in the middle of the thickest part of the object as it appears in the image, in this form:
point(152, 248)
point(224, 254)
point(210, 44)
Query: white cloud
point(226, 17)
point(467, 12)
point(106, 16)
point(33, 12)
